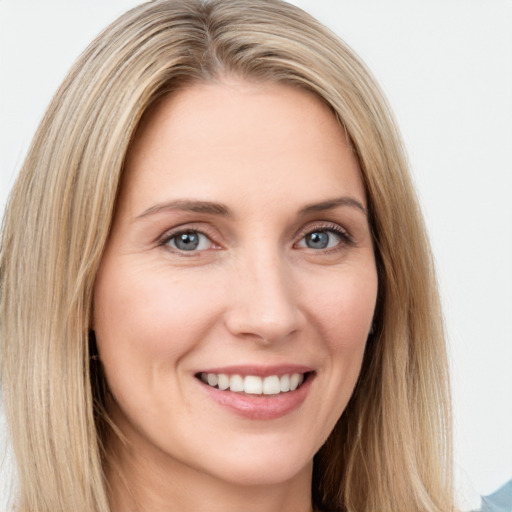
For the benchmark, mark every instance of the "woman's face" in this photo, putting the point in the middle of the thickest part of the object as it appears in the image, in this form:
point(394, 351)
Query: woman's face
point(240, 255)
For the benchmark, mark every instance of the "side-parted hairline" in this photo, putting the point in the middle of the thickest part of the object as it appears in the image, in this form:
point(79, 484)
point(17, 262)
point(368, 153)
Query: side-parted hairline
point(391, 448)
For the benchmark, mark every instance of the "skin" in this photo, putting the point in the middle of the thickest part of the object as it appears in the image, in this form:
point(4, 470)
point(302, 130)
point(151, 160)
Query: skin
point(254, 292)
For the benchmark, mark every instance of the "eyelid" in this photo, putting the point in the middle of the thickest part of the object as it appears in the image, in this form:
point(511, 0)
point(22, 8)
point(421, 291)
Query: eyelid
point(164, 238)
point(168, 235)
point(325, 226)
point(345, 239)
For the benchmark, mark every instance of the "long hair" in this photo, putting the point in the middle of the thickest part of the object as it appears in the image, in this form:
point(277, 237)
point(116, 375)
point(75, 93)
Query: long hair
point(391, 448)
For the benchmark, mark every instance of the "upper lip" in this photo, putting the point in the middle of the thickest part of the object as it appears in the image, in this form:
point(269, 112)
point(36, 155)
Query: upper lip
point(258, 370)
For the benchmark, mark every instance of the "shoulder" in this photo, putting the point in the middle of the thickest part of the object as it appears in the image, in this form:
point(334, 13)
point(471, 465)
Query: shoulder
point(499, 501)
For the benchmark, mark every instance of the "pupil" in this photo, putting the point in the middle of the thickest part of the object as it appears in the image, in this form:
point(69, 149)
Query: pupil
point(187, 241)
point(317, 240)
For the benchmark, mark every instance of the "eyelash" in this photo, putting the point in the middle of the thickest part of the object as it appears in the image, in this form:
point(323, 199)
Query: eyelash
point(346, 239)
point(174, 234)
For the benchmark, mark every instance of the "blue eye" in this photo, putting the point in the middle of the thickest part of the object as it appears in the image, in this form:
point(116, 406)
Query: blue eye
point(321, 239)
point(189, 241)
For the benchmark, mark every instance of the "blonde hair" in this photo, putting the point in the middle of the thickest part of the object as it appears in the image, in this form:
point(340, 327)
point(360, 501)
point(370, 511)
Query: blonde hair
point(391, 448)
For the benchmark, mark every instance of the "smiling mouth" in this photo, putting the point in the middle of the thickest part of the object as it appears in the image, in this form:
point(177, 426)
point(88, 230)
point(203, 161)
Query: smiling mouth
point(254, 384)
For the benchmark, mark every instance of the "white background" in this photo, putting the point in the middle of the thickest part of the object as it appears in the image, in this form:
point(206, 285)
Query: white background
point(446, 66)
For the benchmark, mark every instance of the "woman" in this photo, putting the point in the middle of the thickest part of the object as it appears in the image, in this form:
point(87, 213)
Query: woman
point(222, 295)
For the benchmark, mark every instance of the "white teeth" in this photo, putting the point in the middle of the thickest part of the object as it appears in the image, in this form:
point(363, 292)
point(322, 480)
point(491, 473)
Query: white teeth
point(223, 381)
point(271, 385)
point(284, 383)
point(236, 383)
point(253, 384)
point(294, 381)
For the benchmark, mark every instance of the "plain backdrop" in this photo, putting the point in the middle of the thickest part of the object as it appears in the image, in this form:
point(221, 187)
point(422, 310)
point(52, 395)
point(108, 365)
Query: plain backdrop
point(446, 66)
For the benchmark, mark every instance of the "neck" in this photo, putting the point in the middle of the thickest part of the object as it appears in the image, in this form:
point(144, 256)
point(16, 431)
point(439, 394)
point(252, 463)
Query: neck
point(159, 484)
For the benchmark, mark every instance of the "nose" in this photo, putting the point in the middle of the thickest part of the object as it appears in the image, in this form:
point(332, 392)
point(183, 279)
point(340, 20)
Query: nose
point(263, 305)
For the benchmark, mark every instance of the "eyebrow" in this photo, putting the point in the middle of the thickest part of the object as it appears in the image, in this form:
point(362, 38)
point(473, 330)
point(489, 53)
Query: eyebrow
point(188, 205)
point(330, 204)
point(212, 208)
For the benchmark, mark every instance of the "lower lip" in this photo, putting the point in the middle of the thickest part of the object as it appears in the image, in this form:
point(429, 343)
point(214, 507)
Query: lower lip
point(261, 407)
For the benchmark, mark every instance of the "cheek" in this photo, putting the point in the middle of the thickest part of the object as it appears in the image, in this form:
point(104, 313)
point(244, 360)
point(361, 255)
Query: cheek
point(146, 319)
point(343, 308)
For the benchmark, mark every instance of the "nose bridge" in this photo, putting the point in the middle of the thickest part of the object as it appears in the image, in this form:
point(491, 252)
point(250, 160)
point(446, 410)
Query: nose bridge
point(263, 302)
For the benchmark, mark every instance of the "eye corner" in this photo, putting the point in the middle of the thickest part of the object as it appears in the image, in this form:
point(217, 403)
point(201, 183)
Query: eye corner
point(187, 241)
point(324, 237)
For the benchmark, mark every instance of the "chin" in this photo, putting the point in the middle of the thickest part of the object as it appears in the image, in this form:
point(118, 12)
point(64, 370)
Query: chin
point(261, 463)
point(262, 472)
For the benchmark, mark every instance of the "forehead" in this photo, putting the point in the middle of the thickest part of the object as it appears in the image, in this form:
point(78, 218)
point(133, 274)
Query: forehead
point(250, 138)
